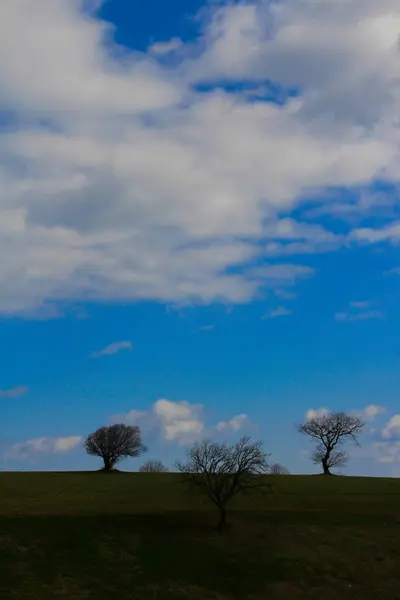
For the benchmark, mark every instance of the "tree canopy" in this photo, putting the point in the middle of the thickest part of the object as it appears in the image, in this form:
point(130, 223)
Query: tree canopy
point(221, 471)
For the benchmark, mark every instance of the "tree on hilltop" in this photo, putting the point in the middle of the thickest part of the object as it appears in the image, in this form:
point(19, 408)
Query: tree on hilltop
point(330, 432)
point(153, 466)
point(115, 442)
point(278, 469)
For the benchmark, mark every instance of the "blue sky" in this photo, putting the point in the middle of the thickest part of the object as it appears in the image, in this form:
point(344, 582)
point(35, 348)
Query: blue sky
point(199, 214)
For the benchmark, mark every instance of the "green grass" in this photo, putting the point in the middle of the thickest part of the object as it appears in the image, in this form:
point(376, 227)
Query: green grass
point(142, 536)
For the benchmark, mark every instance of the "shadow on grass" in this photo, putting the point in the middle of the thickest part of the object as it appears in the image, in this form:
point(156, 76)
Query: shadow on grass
point(120, 554)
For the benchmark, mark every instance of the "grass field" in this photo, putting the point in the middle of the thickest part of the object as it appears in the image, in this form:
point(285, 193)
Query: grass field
point(141, 536)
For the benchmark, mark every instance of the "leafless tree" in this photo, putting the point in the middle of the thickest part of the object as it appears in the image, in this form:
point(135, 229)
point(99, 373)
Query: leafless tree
point(331, 431)
point(278, 469)
point(221, 471)
point(153, 466)
point(114, 442)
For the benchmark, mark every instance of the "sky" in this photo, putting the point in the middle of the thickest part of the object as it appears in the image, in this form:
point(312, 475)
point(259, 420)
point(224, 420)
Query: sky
point(199, 225)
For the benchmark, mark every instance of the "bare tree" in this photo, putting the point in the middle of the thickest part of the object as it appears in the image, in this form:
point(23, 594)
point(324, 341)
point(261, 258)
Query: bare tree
point(221, 471)
point(278, 469)
point(153, 466)
point(114, 442)
point(331, 431)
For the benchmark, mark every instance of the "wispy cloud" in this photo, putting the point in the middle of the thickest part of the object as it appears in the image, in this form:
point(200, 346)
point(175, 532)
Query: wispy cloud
point(362, 316)
point(113, 348)
point(166, 47)
point(207, 328)
point(280, 311)
point(359, 310)
point(14, 392)
point(285, 294)
point(390, 233)
point(360, 304)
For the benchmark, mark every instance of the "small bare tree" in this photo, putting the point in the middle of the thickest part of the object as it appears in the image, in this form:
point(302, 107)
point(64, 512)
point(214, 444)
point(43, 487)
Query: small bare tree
point(153, 466)
point(221, 471)
point(331, 431)
point(114, 442)
point(278, 469)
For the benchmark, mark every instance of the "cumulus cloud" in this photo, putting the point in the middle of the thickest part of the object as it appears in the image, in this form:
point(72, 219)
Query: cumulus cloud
point(31, 449)
point(113, 348)
point(386, 452)
point(312, 413)
point(132, 417)
point(14, 392)
point(235, 424)
point(121, 179)
point(180, 421)
point(371, 412)
point(368, 413)
point(392, 428)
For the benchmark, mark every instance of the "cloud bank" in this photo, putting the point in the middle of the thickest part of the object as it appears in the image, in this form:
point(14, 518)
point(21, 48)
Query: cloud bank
point(139, 175)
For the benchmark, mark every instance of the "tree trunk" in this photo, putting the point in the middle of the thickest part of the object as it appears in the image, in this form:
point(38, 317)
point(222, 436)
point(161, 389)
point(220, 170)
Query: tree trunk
point(222, 518)
point(107, 464)
point(326, 467)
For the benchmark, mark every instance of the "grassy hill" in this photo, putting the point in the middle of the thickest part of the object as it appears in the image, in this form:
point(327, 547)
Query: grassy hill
point(143, 537)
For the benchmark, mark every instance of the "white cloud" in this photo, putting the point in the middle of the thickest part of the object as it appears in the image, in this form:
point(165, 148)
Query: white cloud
point(335, 51)
point(359, 316)
point(113, 348)
point(180, 421)
point(132, 417)
point(360, 304)
point(166, 47)
point(368, 413)
point(280, 311)
point(371, 412)
point(235, 424)
point(359, 310)
point(121, 182)
point(39, 446)
point(392, 428)
point(390, 233)
point(280, 274)
point(386, 452)
point(312, 413)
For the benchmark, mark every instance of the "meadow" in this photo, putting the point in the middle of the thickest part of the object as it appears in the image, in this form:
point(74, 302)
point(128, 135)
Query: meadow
point(142, 536)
